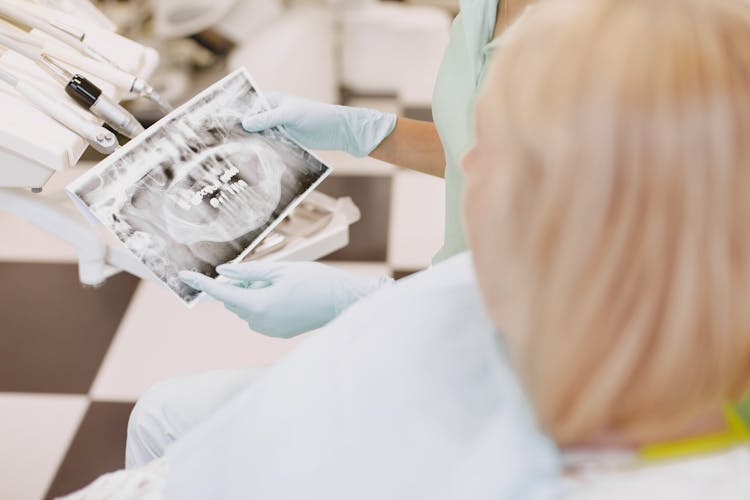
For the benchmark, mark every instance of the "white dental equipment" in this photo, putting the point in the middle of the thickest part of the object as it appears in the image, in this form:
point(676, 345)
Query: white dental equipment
point(82, 9)
point(98, 137)
point(61, 32)
point(118, 77)
point(76, 39)
point(42, 135)
point(78, 87)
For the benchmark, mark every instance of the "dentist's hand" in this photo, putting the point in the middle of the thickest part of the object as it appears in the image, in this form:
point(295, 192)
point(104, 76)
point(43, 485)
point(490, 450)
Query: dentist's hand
point(315, 125)
point(284, 299)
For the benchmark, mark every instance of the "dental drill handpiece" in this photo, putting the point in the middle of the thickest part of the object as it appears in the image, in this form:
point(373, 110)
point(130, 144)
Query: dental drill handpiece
point(83, 91)
point(143, 89)
point(98, 137)
point(91, 97)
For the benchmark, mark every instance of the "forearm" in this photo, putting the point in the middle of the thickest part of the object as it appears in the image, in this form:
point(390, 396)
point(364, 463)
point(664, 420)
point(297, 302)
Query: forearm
point(415, 145)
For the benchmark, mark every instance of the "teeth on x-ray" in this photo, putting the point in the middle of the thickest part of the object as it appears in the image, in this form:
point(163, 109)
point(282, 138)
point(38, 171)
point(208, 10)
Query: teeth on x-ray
point(206, 190)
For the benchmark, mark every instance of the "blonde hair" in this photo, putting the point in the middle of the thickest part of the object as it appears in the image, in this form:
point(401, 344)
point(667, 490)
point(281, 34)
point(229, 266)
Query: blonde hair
point(623, 202)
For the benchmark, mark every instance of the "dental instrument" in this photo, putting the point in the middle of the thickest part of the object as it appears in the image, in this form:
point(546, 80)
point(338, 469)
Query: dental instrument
point(112, 74)
point(270, 244)
point(91, 97)
point(98, 137)
point(59, 31)
point(117, 77)
point(306, 220)
point(79, 88)
point(74, 38)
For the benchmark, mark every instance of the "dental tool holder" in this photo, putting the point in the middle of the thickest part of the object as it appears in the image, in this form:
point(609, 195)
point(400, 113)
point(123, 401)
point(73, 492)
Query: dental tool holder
point(34, 146)
point(332, 236)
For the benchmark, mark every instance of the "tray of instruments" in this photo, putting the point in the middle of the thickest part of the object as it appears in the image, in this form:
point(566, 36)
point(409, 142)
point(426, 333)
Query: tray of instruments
point(317, 227)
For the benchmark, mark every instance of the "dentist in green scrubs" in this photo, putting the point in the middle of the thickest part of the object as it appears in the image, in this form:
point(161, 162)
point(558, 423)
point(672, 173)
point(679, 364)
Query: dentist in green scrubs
point(283, 299)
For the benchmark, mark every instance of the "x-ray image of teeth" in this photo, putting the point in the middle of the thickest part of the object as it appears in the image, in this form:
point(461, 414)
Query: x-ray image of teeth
point(195, 190)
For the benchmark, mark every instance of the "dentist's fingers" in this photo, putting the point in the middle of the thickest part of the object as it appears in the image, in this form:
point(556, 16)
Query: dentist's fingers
point(264, 120)
point(274, 99)
point(220, 291)
point(193, 279)
point(250, 271)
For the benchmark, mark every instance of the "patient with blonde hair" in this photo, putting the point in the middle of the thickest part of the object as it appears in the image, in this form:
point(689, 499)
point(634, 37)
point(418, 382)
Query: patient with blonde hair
point(609, 193)
point(608, 207)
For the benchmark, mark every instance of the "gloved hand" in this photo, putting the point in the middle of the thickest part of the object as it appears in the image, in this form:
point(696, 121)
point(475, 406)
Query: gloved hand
point(284, 299)
point(316, 125)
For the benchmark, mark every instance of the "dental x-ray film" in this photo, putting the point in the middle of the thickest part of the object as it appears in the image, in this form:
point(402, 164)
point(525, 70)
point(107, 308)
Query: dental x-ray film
point(195, 190)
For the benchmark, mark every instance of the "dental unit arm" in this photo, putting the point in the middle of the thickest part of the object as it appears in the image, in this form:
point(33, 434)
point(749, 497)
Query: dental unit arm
point(29, 132)
point(43, 133)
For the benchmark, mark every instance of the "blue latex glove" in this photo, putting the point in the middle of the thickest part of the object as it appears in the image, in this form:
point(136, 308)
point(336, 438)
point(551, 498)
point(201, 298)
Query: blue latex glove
point(316, 125)
point(284, 299)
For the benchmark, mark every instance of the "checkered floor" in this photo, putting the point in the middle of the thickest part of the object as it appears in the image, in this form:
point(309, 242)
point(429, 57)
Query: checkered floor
point(74, 360)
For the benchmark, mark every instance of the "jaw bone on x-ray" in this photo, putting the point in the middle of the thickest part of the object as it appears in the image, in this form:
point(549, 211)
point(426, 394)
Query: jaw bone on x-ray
point(196, 190)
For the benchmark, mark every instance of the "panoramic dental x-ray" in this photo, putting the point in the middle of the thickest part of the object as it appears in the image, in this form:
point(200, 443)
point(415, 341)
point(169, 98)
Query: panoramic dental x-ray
point(196, 190)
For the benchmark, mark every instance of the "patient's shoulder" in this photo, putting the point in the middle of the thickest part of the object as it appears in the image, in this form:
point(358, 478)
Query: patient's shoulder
point(435, 303)
point(444, 287)
point(436, 316)
point(456, 271)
